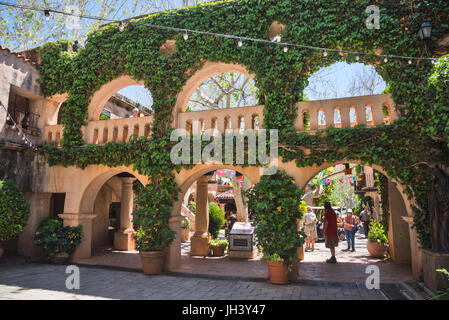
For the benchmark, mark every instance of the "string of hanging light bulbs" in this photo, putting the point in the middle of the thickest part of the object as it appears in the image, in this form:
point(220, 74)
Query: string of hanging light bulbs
point(240, 39)
point(19, 131)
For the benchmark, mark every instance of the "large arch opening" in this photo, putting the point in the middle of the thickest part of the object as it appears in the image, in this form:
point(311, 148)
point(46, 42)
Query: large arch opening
point(111, 90)
point(129, 102)
point(359, 188)
point(211, 195)
point(109, 199)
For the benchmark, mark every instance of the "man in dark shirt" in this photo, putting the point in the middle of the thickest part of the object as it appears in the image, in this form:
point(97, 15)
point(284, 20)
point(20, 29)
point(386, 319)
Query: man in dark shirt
point(330, 231)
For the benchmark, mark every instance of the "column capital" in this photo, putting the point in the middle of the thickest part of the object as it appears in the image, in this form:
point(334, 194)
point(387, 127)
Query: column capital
point(127, 180)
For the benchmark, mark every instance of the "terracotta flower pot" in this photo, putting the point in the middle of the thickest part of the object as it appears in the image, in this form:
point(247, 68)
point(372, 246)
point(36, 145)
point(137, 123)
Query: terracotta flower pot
point(301, 253)
point(185, 235)
point(217, 251)
point(152, 261)
point(293, 274)
point(60, 258)
point(278, 272)
point(375, 249)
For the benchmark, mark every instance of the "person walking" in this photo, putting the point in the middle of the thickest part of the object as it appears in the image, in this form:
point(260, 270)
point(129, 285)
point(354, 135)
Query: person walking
point(310, 228)
point(330, 231)
point(365, 217)
point(350, 229)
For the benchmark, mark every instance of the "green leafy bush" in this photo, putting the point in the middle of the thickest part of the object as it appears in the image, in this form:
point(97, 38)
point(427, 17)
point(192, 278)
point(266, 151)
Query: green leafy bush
point(273, 257)
point(14, 210)
point(185, 224)
point(152, 216)
point(276, 207)
point(218, 243)
point(216, 219)
point(54, 238)
point(377, 232)
point(192, 206)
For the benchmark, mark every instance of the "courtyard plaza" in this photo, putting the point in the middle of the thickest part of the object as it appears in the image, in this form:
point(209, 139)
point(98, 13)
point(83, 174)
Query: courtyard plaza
point(351, 266)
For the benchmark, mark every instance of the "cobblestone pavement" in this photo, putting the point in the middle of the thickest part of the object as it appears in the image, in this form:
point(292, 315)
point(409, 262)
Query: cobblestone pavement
point(42, 281)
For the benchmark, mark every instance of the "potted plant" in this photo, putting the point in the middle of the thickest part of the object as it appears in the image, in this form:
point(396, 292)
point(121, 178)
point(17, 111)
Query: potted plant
point(14, 212)
point(218, 247)
point(185, 230)
point(57, 242)
point(216, 219)
point(153, 234)
point(274, 203)
point(377, 240)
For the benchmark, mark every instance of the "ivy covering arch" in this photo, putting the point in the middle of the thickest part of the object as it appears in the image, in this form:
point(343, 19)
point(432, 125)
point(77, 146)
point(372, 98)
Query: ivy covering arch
point(404, 149)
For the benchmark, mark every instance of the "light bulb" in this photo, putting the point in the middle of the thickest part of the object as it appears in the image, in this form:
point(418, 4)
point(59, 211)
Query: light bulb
point(19, 133)
point(357, 58)
point(8, 118)
point(121, 26)
point(240, 43)
point(385, 59)
point(324, 53)
point(285, 49)
point(410, 62)
point(47, 14)
point(185, 36)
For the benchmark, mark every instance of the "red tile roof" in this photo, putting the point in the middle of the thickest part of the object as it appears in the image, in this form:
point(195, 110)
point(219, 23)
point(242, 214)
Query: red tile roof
point(29, 56)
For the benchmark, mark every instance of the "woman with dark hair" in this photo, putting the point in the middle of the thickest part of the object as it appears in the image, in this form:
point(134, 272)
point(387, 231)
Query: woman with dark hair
point(330, 231)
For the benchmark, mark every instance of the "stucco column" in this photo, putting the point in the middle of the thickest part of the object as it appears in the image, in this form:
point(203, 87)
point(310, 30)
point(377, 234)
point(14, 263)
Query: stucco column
point(40, 209)
point(173, 259)
point(398, 231)
point(84, 220)
point(416, 254)
point(200, 240)
point(124, 237)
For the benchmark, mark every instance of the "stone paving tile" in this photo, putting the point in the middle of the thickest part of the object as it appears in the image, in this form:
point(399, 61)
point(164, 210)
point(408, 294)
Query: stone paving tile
point(40, 281)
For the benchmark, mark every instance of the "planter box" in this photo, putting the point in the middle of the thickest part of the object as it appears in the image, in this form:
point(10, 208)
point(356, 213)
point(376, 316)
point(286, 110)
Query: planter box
point(217, 251)
point(430, 262)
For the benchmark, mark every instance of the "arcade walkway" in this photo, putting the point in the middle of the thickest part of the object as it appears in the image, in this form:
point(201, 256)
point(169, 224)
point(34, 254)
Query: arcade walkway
point(350, 268)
